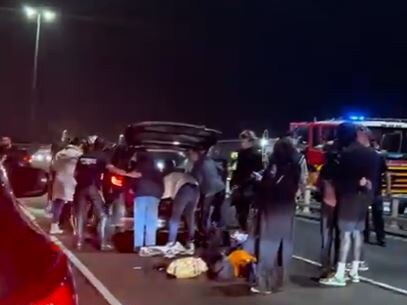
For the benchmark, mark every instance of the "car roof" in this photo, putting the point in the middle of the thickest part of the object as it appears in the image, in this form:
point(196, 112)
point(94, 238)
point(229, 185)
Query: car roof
point(171, 135)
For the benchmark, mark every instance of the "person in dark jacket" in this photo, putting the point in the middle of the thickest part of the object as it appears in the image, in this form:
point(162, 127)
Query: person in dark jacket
point(356, 172)
point(275, 202)
point(243, 183)
point(211, 185)
point(148, 191)
point(377, 205)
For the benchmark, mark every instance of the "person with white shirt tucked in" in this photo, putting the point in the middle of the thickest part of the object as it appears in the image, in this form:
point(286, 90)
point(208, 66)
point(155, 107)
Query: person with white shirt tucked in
point(184, 190)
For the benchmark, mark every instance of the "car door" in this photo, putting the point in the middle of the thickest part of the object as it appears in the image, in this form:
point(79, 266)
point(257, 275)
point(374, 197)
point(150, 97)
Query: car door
point(33, 271)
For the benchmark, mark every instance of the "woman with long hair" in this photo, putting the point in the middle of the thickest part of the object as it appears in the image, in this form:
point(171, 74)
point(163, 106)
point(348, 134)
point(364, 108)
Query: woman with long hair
point(276, 208)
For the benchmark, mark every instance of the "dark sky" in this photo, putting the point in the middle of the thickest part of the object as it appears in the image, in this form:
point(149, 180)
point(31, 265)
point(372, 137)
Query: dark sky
point(228, 64)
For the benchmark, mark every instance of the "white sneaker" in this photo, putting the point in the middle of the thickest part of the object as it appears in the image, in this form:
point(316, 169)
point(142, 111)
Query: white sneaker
point(172, 250)
point(354, 278)
point(190, 249)
point(258, 291)
point(55, 230)
point(333, 281)
point(239, 237)
point(363, 266)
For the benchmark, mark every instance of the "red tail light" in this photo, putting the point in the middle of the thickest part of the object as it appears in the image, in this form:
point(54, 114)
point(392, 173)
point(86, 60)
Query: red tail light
point(27, 159)
point(62, 295)
point(117, 181)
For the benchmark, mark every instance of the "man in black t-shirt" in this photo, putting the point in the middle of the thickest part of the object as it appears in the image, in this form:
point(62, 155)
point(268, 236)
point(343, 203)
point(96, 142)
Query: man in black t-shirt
point(354, 185)
point(90, 168)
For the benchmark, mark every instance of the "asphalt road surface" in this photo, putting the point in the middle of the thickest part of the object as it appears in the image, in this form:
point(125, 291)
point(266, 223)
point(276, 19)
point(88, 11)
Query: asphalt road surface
point(120, 278)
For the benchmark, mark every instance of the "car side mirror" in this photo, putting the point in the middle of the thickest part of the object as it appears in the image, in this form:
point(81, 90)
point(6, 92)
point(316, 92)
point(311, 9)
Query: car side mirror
point(28, 181)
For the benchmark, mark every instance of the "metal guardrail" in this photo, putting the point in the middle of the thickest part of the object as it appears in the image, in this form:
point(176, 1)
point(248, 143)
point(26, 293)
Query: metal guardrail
point(394, 221)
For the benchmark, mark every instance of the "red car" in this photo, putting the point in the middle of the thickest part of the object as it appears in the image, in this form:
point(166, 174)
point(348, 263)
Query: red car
point(33, 270)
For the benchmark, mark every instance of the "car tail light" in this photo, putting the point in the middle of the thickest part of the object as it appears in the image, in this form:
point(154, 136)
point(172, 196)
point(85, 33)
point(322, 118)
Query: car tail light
point(27, 159)
point(61, 295)
point(117, 181)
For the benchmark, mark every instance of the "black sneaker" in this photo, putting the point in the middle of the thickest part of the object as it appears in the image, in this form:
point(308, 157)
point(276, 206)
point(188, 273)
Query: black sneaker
point(381, 243)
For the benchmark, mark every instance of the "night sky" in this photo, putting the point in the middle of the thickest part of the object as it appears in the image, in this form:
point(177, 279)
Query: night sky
point(228, 64)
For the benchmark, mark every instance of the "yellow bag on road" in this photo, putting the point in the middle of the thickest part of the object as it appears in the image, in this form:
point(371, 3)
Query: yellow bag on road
point(186, 268)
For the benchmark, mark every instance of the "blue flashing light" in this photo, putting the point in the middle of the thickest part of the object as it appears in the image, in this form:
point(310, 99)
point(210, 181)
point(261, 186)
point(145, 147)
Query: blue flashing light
point(357, 117)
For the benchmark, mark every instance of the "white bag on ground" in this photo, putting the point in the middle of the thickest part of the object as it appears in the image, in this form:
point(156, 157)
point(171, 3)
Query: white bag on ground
point(187, 267)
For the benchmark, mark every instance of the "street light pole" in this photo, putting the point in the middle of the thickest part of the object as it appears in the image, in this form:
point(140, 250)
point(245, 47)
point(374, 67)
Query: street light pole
point(35, 73)
point(39, 14)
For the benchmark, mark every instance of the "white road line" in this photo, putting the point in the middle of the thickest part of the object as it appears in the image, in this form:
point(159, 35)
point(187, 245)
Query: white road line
point(112, 300)
point(362, 278)
point(106, 294)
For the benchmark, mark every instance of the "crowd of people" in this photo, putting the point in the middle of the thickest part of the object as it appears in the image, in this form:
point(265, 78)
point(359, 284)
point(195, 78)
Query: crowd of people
point(264, 195)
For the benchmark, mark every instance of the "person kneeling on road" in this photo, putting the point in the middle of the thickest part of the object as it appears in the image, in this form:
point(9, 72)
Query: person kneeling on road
point(89, 172)
point(184, 190)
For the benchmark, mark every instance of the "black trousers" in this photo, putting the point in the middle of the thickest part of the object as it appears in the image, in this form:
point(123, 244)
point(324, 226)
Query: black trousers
point(330, 238)
point(378, 221)
point(212, 210)
point(243, 201)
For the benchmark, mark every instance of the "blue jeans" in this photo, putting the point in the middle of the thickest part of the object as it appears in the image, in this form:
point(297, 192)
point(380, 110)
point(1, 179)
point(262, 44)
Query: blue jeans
point(145, 220)
point(185, 202)
point(57, 207)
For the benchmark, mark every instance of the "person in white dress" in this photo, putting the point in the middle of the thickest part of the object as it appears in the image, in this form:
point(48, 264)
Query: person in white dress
point(64, 184)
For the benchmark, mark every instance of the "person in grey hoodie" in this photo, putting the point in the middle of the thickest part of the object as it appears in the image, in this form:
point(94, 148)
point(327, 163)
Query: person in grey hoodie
point(211, 185)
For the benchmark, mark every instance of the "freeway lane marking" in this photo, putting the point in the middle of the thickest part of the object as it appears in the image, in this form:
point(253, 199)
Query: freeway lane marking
point(104, 292)
point(363, 279)
point(107, 295)
point(112, 300)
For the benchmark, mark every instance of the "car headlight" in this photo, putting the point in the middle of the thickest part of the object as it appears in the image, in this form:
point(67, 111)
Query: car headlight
point(41, 157)
point(38, 157)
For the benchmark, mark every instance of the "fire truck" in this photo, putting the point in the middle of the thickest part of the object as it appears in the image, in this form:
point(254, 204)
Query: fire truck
point(390, 134)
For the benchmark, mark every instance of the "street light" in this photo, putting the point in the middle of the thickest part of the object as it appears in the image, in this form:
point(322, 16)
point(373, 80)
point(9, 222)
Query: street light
point(39, 14)
point(30, 12)
point(49, 15)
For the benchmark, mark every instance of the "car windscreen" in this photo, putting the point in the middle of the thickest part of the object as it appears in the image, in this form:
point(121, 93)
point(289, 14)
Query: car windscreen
point(392, 140)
